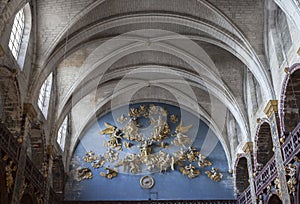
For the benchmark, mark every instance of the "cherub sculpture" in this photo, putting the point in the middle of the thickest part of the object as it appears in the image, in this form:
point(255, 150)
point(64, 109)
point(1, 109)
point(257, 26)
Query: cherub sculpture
point(9, 175)
point(203, 162)
point(153, 109)
point(180, 155)
point(109, 129)
point(145, 148)
point(190, 171)
point(181, 139)
point(84, 173)
point(90, 156)
point(98, 163)
point(291, 183)
point(173, 118)
point(192, 154)
point(122, 119)
point(111, 155)
point(131, 131)
point(143, 111)
point(133, 112)
point(150, 161)
point(115, 137)
point(290, 170)
point(181, 129)
point(163, 112)
point(131, 163)
point(214, 174)
point(110, 173)
point(164, 161)
point(115, 140)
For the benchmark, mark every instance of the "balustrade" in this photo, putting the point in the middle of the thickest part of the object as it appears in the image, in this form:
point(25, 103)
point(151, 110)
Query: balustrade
point(8, 143)
point(266, 175)
point(245, 197)
point(33, 174)
point(11, 147)
point(291, 146)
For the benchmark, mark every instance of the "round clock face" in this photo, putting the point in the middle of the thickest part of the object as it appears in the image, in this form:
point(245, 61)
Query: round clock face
point(147, 182)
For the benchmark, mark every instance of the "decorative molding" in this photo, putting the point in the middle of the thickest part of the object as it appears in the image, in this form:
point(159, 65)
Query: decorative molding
point(272, 107)
point(29, 109)
point(248, 147)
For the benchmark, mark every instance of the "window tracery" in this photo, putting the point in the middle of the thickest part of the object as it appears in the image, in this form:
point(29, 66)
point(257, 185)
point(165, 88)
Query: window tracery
point(16, 34)
point(44, 96)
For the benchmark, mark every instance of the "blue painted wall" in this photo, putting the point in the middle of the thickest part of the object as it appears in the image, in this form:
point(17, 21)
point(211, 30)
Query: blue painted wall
point(171, 185)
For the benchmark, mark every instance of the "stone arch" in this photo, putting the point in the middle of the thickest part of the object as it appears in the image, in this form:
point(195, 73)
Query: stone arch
point(263, 145)
point(290, 100)
point(279, 37)
point(241, 175)
point(12, 110)
point(274, 199)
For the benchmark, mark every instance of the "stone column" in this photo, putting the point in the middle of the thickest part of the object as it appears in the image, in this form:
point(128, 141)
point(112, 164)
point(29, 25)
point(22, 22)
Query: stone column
point(272, 112)
point(48, 173)
point(248, 149)
point(28, 116)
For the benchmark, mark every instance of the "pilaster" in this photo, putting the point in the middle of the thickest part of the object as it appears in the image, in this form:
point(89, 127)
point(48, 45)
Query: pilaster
point(248, 149)
point(271, 111)
point(50, 155)
point(1, 51)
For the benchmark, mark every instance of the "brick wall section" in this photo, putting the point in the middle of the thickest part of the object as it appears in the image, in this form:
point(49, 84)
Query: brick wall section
point(248, 15)
point(7, 11)
point(53, 16)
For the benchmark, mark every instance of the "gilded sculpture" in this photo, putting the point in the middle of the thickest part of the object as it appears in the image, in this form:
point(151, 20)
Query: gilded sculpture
point(192, 154)
point(174, 118)
point(151, 156)
point(98, 163)
point(110, 173)
point(190, 171)
point(84, 173)
point(131, 163)
point(180, 138)
point(89, 156)
point(290, 171)
point(214, 174)
point(111, 155)
point(202, 161)
point(122, 119)
point(9, 175)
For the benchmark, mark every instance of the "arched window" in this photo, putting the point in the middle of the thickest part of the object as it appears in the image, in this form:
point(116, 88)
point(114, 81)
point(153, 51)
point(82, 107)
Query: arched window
point(19, 35)
point(44, 96)
point(61, 134)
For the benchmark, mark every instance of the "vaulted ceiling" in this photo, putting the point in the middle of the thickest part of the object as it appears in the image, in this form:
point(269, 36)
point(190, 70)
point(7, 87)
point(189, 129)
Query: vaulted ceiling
point(194, 53)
